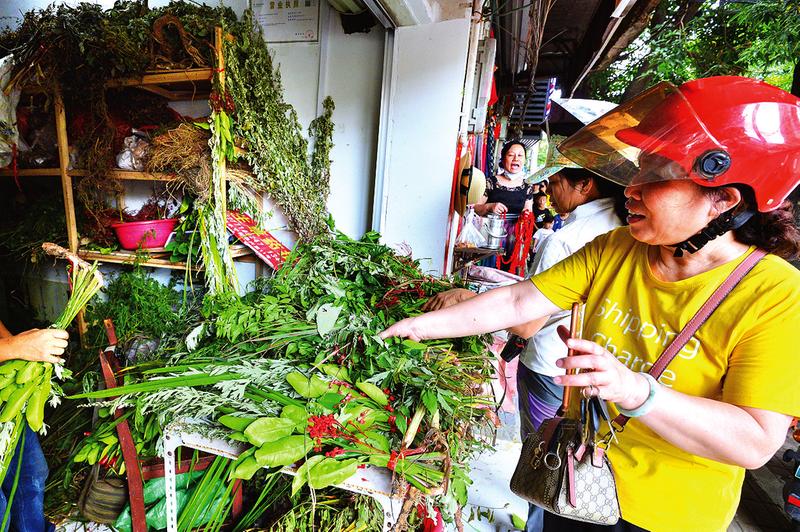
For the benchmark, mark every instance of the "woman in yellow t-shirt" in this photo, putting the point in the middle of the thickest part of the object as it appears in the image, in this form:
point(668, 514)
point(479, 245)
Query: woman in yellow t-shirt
point(707, 168)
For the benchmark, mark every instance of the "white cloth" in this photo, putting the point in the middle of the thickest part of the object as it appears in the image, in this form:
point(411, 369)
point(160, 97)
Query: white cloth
point(584, 224)
point(512, 176)
point(540, 236)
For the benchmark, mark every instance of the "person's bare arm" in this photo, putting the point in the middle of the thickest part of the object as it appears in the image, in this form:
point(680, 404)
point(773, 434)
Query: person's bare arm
point(448, 299)
point(43, 345)
point(527, 330)
point(457, 295)
point(491, 311)
point(4, 332)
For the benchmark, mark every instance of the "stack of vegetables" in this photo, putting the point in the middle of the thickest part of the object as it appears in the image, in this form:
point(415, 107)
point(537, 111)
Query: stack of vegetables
point(296, 370)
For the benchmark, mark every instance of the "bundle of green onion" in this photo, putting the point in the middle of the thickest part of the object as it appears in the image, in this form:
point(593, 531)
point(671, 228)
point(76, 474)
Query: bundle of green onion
point(26, 385)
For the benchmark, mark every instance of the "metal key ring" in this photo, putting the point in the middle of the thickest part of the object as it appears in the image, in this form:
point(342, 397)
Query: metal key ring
point(590, 391)
point(550, 457)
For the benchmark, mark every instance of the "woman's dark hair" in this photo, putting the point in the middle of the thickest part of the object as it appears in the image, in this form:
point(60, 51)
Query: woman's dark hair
point(606, 188)
point(506, 147)
point(775, 231)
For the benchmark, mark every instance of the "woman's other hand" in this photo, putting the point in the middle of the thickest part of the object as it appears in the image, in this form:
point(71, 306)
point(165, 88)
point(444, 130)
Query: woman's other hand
point(601, 373)
point(447, 299)
point(497, 208)
point(41, 345)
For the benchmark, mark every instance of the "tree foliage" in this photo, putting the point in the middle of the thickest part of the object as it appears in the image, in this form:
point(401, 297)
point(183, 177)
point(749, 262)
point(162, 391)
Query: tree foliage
point(689, 39)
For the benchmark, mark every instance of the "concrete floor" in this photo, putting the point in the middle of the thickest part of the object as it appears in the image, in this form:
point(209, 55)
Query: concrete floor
point(761, 506)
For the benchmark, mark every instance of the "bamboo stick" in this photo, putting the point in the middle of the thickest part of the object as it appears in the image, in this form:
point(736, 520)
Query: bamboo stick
point(574, 332)
point(219, 49)
point(66, 189)
point(66, 179)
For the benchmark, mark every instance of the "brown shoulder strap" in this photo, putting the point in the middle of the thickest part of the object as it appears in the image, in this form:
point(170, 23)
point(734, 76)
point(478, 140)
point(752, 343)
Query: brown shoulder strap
point(702, 315)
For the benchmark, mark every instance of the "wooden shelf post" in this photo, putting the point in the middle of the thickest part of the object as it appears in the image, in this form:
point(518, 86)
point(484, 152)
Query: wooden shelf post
point(63, 163)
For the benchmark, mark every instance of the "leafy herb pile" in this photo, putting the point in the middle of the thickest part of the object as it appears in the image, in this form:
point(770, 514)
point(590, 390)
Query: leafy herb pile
point(274, 144)
point(139, 307)
point(296, 371)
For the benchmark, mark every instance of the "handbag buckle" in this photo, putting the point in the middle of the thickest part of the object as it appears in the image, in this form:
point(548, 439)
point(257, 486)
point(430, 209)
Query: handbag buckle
point(536, 459)
point(552, 461)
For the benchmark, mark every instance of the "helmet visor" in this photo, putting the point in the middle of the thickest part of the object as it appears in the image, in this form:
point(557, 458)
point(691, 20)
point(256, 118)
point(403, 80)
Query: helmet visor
point(656, 136)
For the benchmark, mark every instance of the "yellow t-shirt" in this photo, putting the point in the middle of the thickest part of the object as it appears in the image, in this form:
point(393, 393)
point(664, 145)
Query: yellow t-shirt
point(740, 356)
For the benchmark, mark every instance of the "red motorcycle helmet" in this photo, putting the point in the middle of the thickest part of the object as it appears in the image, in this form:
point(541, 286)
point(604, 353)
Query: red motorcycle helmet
point(716, 131)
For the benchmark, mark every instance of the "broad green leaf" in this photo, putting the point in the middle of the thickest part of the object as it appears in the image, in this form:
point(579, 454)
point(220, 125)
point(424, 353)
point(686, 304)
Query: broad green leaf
point(441, 398)
point(326, 318)
point(331, 471)
point(238, 436)
point(298, 415)
point(429, 399)
point(283, 452)
point(379, 460)
point(235, 423)
point(330, 400)
point(267, 429)
point(246, 468)
point(301, 477)
point(352, 412)
point(518, 522)
point(337, 291)
point(411, 345)
point(377, 440)
point(308, 387)
point(402, 423)
point(373, 392)
point(335, 371)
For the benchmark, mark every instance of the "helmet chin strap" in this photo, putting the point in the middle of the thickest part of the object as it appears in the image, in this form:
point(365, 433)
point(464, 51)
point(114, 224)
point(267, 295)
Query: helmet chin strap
point(723, 223)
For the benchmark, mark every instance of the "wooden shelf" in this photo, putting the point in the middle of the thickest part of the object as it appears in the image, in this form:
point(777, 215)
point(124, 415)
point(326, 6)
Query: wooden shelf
point(125, 175)
point(174, 85)
point(130, 175)
point(164, 76)
point(33, 172)
point(157, 257)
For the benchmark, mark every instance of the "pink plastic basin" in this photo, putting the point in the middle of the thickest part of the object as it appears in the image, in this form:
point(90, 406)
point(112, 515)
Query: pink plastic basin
point(147, 234)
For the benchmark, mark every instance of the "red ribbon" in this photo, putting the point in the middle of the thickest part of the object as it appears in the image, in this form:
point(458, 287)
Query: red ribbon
point(394, 456)
point(14, 159)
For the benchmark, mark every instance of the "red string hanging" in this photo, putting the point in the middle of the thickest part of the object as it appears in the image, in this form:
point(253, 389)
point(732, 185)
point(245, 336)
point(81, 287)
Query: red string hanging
point(14, 167)
point(518, 259)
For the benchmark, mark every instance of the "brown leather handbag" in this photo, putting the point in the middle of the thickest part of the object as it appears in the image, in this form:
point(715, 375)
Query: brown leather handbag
point(563, 467)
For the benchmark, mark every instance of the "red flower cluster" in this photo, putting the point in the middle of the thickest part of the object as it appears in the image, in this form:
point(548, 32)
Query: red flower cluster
point(323, 426)
point(336, 451)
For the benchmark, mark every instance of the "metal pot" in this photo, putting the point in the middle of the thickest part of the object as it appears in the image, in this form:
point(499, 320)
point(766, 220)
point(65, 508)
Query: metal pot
point(495, 232)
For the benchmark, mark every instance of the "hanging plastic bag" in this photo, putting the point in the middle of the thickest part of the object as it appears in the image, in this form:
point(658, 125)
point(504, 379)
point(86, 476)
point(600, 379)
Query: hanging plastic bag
point(470, 235)
point(9, 136)
point(134, 152)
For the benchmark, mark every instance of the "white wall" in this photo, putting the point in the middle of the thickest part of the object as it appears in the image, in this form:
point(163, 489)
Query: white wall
point(352, 77)
point(420, 127)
